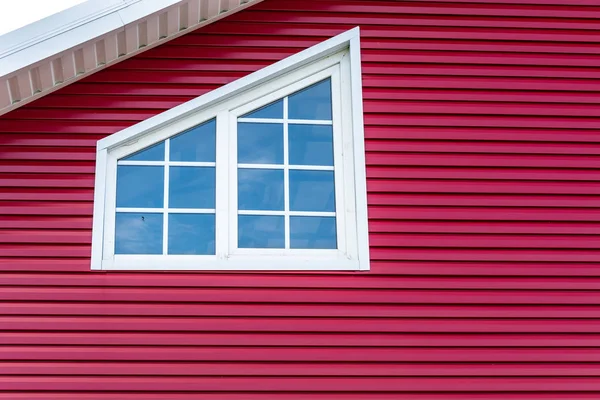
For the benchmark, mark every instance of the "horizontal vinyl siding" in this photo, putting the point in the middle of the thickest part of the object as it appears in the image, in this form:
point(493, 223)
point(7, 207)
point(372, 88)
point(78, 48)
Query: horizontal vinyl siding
point(482, 139)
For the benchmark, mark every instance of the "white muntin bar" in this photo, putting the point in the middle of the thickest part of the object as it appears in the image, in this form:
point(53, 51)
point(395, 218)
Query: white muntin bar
point(170, 163)
point(165, 210)
point(289, 213)
point(281, 121)
point(282, 166)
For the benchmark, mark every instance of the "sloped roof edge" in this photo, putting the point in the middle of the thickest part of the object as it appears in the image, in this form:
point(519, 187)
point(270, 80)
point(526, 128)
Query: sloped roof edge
point(63, 48)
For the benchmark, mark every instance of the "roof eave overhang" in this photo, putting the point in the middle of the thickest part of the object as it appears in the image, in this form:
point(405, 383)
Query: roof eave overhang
point(78, 42)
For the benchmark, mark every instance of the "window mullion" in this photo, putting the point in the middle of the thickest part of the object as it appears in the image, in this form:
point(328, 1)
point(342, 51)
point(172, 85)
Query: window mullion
point(286, 173)
point(165, 249)
point(222, 182)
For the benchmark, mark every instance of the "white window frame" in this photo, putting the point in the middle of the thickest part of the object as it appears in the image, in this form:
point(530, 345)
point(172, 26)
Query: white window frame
point(338, 59)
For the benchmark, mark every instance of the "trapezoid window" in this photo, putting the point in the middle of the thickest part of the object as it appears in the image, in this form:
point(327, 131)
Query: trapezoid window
point(262, 177)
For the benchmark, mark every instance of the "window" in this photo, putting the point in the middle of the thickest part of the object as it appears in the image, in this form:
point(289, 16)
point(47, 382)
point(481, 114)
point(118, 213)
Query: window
point(165, 196)
point(266, 173)
point(285, 172)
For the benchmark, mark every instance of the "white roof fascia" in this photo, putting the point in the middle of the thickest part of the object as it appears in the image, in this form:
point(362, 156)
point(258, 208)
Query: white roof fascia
point(51, 53)
point(58, 32)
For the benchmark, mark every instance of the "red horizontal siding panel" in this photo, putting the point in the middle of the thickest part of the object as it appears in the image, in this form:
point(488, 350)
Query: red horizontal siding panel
point(429, 395)
point(292, 369)
point(483, 166)
point(368, 340)
point(275, 354)
point(433, 310)
point(298, 384)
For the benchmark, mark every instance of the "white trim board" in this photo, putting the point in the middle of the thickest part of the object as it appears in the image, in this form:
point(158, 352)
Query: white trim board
point(337, 58)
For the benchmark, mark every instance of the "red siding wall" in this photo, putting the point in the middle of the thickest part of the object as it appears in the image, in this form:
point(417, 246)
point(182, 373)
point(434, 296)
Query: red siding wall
point(483, 183)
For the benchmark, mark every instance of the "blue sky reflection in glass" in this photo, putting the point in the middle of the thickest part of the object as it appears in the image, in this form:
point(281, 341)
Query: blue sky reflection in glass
point(196, 144)
point(288, 146)
point(314, 102)
point(313, 233)
point(261, 231)
point(312, 191)
point(140, 186)
point(260, 189)
point(191, 187)
point(166, 196)
point(139, 233)
point(260, 143)
point(311, 144)
point(191, 234)
point(273, 110)
point(152, 153)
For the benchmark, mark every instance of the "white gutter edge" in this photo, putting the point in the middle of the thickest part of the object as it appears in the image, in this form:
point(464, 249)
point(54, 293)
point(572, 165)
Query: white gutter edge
point(36, 33)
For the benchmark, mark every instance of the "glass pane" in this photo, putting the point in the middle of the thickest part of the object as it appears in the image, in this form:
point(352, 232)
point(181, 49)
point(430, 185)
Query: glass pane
point(191, 234)
point(273, 110)
point(138, 233)
point(260, 143)
point(311, 144)
point(312, 233)
point(196, 144)
point(140, 186)
point(191, 187)
point(152, 153)
point(314, 102)
point(261, 232)
point(260, 189)
point(312, 191)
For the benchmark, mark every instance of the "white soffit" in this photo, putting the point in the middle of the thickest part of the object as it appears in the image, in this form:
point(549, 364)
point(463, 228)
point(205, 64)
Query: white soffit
point(63, 48)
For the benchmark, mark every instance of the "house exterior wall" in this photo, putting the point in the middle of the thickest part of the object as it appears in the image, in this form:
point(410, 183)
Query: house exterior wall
point(481, 124)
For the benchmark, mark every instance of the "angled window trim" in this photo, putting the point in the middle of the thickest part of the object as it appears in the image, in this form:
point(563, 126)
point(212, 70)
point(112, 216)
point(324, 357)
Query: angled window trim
point(338, 58)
